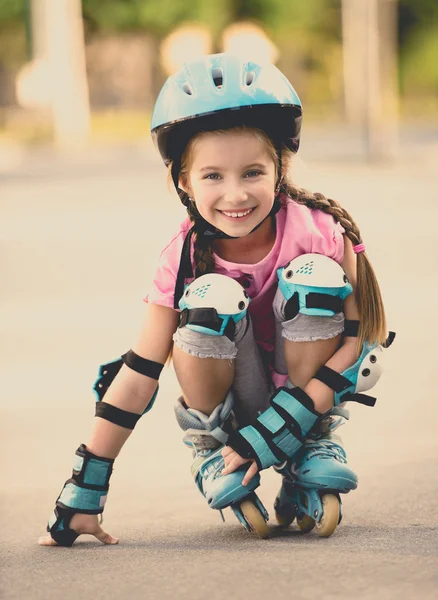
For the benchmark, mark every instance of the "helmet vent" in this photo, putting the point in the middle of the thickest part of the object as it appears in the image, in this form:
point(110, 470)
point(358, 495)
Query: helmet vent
point(187, 89)
point(218, 76)
point(249, 77)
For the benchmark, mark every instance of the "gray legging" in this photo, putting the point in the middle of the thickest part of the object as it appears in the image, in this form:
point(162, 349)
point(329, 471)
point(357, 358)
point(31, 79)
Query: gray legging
point(251, 387)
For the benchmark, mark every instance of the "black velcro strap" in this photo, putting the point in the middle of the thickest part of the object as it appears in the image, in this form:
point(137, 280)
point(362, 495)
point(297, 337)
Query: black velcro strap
point(334, 380)
point(389, 339)
point(292, 307)
point(230, 329)
point(142, 365)
point(351, 328)
point(237, 442)
point(324, 301)
point(202, 317)
point(299, 395)
point(65, 536)
point(268, 437)
point(291, 424)
point(116, 415)
point(359, 398)
point(185, 269)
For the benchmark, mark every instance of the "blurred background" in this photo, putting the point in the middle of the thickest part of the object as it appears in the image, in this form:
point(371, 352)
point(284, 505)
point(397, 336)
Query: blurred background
point(75, 72)
point(85, 210)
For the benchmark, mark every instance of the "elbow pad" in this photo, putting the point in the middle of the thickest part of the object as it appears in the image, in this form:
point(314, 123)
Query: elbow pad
point(107, 374)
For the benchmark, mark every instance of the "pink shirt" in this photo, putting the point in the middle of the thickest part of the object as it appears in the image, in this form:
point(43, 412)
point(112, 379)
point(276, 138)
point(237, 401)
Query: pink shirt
point(299, 230)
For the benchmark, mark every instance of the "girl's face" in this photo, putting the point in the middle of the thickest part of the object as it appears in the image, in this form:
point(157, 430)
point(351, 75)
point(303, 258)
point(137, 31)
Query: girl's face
point(231, 177)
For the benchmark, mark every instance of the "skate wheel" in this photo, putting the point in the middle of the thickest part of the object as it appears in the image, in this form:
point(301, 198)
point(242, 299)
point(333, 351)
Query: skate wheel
point(255, 519)
point(330, 516)
point(306, 524)
point(283, 520)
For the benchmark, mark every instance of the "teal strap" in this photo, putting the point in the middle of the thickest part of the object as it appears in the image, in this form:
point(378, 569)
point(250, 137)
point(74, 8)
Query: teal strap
point(87, 489)
point(82, 499)
point(278, 432)
point(263, 454)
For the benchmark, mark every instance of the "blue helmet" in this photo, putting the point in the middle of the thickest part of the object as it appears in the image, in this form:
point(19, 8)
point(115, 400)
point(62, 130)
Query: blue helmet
point(221, 91)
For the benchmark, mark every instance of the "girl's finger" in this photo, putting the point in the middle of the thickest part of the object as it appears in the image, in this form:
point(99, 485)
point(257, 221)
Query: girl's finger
point(47, 540)
point(233, 465)
point(105, 538)
point(253, 469)
point(228, 459)
point(227, 451)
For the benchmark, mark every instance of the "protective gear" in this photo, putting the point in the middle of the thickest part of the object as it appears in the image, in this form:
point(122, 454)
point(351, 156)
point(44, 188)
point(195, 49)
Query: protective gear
point(213, 304)
point(223, 91)
point(86, 493)
point(107, 374)
point(361, 376)
point(313, 284)
point(279, 431)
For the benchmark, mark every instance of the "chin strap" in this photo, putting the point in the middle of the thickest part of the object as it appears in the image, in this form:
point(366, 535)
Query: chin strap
point(203, 228)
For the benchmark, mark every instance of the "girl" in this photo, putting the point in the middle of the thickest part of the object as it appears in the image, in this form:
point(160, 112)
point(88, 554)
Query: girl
point(265, 297)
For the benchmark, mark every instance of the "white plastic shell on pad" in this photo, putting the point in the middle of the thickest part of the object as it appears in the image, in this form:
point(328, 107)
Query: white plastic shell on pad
point(371, 369)
point(224, 294)
point(314, 270)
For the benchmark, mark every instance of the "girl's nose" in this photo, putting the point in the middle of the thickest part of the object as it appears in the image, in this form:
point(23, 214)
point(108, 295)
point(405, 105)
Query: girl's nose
point(236, 193)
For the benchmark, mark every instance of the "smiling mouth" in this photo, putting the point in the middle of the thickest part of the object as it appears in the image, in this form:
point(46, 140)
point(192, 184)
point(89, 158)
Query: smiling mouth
point(237, 215)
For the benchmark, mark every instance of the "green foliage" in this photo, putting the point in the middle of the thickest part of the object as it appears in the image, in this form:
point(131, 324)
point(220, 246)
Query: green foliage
point(418, 35)
point(158, 16)
point(321, 16)
point(419, 63)
point(308, 33)
point(12, 10)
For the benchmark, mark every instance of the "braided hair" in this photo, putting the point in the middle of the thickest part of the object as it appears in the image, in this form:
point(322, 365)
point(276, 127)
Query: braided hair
point(368, 296)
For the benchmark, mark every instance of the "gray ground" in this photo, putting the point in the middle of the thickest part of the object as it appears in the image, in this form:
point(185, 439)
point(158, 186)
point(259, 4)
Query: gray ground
point(79, 239)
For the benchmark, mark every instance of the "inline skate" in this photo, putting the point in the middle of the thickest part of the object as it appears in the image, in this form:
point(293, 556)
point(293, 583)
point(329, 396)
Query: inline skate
point(313, 481)
point(207, 436)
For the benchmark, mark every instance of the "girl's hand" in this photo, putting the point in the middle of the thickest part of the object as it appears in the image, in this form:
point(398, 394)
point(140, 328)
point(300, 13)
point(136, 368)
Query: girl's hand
point(233, 461)
point(83, 524)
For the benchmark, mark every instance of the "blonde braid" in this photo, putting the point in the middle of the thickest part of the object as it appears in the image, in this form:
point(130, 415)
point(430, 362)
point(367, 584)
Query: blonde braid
point(369, 299)
point(203, 251)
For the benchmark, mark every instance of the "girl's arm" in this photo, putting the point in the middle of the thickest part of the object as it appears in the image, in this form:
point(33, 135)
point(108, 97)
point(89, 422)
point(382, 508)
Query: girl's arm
point(131, 391)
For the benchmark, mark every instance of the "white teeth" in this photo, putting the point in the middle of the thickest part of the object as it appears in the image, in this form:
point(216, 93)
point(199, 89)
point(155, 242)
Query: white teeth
point(236, 215)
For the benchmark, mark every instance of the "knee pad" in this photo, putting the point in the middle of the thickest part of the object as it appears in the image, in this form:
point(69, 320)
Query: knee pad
point(314, 285)
point(213, 304)
point(360, 377)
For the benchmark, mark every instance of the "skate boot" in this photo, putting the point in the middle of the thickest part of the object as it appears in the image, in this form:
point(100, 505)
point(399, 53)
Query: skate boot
point(313, 481)
point(207, 436)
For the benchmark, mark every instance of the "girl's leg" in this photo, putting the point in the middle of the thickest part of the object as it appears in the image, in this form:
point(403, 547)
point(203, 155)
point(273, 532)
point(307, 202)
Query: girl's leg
point(207, 367)
point(223, 381)
point(304, 344)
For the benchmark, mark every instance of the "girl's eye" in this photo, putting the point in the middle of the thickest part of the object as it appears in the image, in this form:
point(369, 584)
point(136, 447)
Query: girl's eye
point(253, 173)
point(213, 176)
